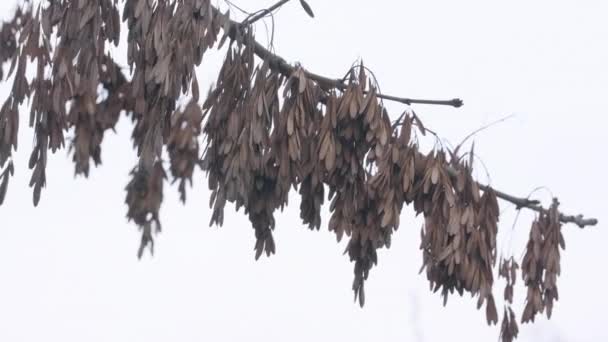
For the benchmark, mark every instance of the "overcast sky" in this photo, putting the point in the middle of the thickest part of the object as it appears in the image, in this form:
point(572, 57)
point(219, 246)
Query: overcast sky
point(69, 272)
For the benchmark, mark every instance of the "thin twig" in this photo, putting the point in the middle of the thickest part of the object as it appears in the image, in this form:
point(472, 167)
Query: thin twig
point(534, 205)
point(232, 4)
point(263, 13)
point(485, 127)
point(579, 220)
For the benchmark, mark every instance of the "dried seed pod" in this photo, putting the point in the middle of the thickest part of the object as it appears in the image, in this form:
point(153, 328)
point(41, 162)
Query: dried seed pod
point(144, 197)
point(509, 329)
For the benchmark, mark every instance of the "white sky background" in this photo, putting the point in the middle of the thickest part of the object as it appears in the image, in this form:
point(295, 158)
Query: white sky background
point(69, 272)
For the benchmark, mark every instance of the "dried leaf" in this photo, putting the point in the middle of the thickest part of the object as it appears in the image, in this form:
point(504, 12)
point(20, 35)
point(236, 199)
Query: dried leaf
point(307, 8)
point(3, 188)
point(195, 91)
point(301, 81)
point(435, 175)
point(419, 123)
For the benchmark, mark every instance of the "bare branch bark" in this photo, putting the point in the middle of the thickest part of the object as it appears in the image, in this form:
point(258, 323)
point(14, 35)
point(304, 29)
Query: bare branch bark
point(579, 220)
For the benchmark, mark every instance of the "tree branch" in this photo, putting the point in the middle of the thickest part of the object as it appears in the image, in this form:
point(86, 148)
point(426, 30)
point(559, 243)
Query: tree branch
point(277, 62)
point(579, 220)
point(287, 69)
point(534, 205)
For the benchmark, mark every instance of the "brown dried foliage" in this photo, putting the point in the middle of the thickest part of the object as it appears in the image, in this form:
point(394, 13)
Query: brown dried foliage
point(459, 235)
point(144, 197)
point(541, 264)
point(269, 127)
point(509, 329)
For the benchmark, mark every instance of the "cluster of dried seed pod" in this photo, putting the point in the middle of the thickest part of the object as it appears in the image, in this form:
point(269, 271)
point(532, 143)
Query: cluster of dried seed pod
point(144, 197)
point(183, 146)
point(79, 65)
point(237, 156)
point(68, 96)
point(541, 264)
point(166, 41)
point(362, 127)
point(8, 34)
point(459, 235)
point(508, 329)
point(269, 128)
point(89, 128)
point(12, 47)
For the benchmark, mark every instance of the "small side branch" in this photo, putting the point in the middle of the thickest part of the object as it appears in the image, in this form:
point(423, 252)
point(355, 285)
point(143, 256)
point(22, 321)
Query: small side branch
point(534, 205)
point(579, 220)
point(287, 69)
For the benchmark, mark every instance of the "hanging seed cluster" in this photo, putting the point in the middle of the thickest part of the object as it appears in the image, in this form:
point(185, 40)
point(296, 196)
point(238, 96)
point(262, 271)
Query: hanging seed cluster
point(264, 129)
point(508, 329)
point(541, 264)
point(459, 234)
point(166, 41)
